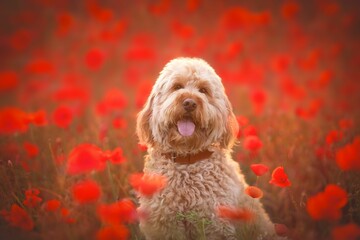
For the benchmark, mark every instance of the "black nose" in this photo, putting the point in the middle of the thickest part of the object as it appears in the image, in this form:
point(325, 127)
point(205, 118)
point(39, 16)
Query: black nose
point(189, 105)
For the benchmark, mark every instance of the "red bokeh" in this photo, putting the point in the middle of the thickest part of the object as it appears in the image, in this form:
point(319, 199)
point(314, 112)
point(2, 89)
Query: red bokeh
point(74, 75)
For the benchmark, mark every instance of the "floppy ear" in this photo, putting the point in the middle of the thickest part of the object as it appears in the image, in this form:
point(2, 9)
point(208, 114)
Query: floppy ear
point(143, 123)
point(231, 129)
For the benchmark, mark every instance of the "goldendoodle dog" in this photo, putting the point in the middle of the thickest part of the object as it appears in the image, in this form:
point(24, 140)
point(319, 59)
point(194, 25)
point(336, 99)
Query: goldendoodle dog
point(189, 128)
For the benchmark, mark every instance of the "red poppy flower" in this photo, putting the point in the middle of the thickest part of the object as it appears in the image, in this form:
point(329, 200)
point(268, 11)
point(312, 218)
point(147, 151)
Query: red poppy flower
point(141, 49)
point(86, 191)
point(160, 8)
point(65, 22)
point(113, 101)
point(147, 184)
point(327, 205)
point(52, 205)
point(123, 211)
point(181, 30)
point(252, 143)
point(95, 59)
point(280, 178)
point(13, 120)
point(259, 169)
point(119, 232)
point(348, 157)
point(32, 199)
point(295, 91)
point(63, 116)
point(72, 93)
point(8, 81)
point(309, 111)
point(242, 121)
point(21, 39)
point(192, 5)
point(65, 214)
point(349, 231)
point(115, 156)
point(289, 10)
point(119, 123)
point(31, 149)
point(85, 158)
point(346, 123)
point(333, 137)
point(250, 131)
point(238, 17)
point(37, 118)
point(280, 63)
point(235, 214)
point(258, 99)
point(254, 192)
point(18, 217)
point(40, 66)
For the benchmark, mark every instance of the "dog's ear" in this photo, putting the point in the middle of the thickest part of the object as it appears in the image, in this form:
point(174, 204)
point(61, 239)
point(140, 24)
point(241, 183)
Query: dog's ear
point(231, 129)
point(143, 130)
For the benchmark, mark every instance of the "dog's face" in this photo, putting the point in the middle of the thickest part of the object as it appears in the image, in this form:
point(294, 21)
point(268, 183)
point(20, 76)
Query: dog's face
point(187, 109)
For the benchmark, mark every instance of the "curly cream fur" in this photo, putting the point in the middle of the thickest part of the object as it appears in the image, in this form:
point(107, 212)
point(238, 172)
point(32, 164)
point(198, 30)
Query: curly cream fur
point(201, 187)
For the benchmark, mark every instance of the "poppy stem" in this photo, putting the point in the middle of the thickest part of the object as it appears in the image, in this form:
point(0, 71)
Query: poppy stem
point(292, 199)
point(111, 180)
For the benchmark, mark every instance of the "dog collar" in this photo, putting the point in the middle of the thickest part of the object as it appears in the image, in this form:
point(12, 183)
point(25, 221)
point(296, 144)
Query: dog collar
point(189, 158)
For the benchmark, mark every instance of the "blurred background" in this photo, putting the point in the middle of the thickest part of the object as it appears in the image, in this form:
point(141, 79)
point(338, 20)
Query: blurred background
point(80, 71)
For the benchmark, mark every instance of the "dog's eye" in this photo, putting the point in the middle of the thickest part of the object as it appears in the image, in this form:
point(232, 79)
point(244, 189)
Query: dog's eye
point(177, 87)
point(203, 90)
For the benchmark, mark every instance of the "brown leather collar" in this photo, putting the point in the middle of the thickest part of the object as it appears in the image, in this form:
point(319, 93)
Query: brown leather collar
point(190, 158)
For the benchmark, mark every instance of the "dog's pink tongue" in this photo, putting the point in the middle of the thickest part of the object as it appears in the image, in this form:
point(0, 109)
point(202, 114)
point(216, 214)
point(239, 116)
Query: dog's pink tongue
point(186, 127)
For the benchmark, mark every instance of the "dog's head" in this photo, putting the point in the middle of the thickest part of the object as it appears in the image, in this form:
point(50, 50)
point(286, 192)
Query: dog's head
point(187, 109)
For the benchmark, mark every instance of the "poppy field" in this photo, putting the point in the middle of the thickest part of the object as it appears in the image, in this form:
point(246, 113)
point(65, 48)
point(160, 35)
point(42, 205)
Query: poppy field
point(74, 75)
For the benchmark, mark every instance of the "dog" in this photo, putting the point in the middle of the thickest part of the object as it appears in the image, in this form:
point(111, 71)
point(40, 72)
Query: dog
point(189, 128)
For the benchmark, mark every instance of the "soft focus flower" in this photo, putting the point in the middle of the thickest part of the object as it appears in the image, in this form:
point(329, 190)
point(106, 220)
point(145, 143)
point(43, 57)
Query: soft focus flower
point(85, 158)
point(349, 231)
point(334, 136)
point(147, 184)
point(18, 217)
point(289, 10)
point(13, 120)
point(115, 156)
point(252, 143)
point(242, 120)
point(37, 118)
point(259, 169)
point(118, 232)
point(346, 123)
point(31, 149)
point(95, 59)
point(250, 131)
point(235, 214)
point(63, 116)
point(254, 192)
point(327, 205)
point(86, 191)
point(123, 211)
point(65, 214)
point(113, 101)
point(8, 80)
point(348, 157)
point(280, 178)
point(32, 199)
point(52, 205)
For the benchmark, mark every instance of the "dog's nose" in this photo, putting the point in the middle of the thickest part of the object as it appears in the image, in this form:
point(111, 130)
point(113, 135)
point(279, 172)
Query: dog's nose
point(189, 105)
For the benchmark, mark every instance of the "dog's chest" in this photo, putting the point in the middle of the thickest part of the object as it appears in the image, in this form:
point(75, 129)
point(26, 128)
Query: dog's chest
point(199, 187)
